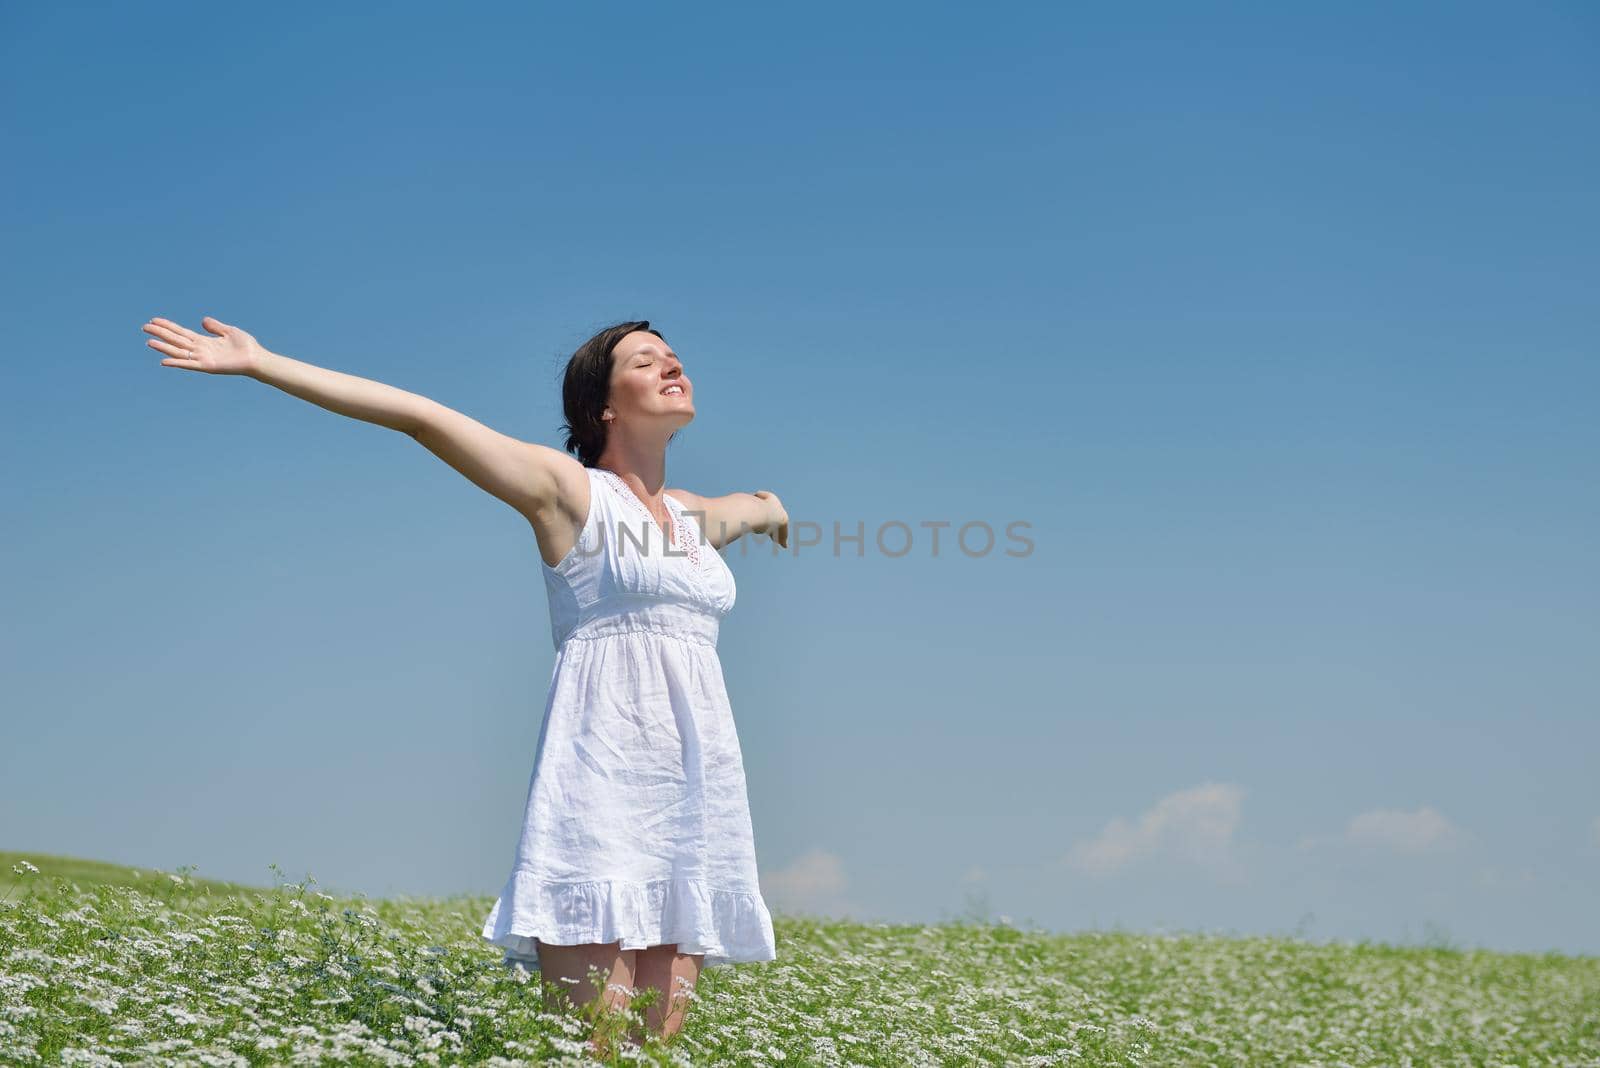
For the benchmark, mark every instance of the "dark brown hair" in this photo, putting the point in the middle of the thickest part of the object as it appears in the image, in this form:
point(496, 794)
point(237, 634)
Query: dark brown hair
point(586, 387)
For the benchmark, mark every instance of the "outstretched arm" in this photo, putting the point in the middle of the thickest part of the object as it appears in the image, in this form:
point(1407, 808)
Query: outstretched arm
point(723, 519)
point(518, 472)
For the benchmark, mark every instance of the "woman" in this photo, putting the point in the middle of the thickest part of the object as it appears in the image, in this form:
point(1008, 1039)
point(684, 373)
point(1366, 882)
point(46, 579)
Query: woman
point(636, 854)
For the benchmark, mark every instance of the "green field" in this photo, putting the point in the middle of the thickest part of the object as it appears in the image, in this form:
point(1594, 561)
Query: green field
point(103, 965)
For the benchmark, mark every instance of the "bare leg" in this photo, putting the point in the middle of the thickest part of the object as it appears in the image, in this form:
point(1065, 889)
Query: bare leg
point(568, 968)
point(675, 975)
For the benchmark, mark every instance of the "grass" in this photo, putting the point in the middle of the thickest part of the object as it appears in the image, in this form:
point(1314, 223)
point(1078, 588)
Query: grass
point(102, 965)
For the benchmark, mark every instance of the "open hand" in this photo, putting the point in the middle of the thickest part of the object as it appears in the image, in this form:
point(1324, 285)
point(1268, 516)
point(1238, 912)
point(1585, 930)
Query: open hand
point(231, 352)
point(777, 524)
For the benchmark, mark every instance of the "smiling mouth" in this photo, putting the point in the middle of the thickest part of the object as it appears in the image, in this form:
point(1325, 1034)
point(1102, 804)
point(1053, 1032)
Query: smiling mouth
point(672, 391)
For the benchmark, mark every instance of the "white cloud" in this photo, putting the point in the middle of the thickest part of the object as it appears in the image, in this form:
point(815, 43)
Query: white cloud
point(1397, 830)
point(1196, 825)
point(814, 885)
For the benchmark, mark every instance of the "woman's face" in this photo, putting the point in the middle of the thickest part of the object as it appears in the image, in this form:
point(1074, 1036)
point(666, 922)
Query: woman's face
point(648, 383)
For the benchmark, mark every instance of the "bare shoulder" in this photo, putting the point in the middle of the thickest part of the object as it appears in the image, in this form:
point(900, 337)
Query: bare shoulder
point(572, 484)
point(559, 515)
point(722, 519)
point(685, 498)
point(698, 507)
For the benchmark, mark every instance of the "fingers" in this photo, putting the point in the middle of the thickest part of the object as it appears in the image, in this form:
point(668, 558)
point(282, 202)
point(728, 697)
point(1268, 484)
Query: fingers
point(216, 326)
point(172, 339)
point(171, 350)
point(172, 328)
point(181, 338)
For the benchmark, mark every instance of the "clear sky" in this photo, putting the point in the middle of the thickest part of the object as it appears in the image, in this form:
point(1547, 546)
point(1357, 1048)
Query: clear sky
point(1277, 325)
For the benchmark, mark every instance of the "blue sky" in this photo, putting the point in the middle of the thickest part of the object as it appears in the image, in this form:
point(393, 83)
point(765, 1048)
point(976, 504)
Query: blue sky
point(1277, 326)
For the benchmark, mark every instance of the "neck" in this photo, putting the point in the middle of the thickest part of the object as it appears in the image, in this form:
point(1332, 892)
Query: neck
point(644, 462)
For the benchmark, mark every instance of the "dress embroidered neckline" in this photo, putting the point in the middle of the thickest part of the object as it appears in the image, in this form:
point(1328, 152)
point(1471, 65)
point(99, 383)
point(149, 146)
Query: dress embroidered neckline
point(685, 542)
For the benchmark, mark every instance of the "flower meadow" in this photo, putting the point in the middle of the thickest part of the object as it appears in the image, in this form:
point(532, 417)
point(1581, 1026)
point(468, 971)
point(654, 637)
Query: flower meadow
point(116, 966)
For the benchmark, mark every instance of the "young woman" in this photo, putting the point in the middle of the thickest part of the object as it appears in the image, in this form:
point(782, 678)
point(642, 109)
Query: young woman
point(636, 854)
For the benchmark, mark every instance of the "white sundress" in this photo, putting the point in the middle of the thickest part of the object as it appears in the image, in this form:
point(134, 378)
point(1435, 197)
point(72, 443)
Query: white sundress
point(638, 822)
